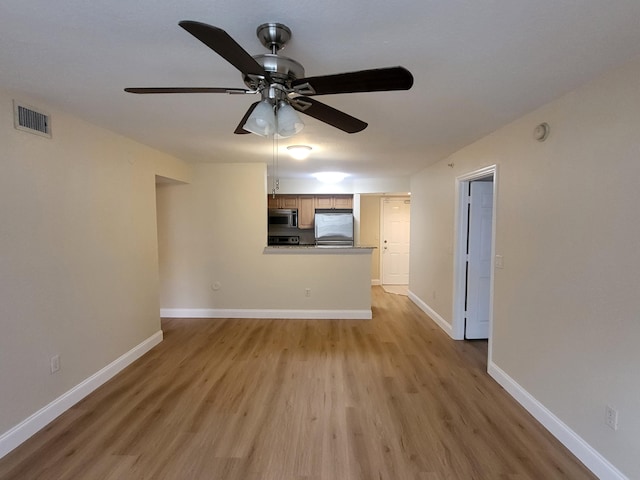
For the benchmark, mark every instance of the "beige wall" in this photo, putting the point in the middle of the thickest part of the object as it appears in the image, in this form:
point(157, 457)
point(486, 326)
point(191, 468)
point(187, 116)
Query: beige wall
point(348, 185)
point(566, 317)
point(214, 230)
point(370, 230)
point(78, 254)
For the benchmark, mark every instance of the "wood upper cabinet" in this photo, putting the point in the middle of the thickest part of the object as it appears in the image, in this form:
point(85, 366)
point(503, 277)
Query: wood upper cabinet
point(334, 201)
point(272, 202)
point(289, 201)
point(306, 211)
point(324, 201)
point(282, 201)
point(343, 201)
point(307, 204)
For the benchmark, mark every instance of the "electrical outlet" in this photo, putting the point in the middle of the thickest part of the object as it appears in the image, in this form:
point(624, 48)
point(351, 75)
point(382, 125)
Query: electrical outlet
point(55, 363)
point(307, 292)
point(611, 417)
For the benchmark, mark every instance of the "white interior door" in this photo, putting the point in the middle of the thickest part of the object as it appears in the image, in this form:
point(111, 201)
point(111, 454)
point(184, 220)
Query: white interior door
point(395, 241)
point(479, 260)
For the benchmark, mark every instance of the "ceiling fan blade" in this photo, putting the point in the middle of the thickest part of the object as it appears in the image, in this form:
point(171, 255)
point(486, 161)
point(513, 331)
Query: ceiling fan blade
point(239, 130)
point(376, 80)
point(328, 114)
point(187, 90)
point(221, 42)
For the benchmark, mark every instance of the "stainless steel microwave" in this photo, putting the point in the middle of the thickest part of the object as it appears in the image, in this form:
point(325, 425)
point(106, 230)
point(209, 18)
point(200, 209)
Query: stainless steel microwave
point(283, 217)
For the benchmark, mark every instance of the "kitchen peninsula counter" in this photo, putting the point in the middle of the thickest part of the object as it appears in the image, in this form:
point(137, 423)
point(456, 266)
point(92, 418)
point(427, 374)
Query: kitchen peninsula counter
point(317, 250)
point(309, 281)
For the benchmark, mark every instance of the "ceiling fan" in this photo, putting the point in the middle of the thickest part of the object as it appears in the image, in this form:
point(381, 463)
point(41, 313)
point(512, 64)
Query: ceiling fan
point(282, 84)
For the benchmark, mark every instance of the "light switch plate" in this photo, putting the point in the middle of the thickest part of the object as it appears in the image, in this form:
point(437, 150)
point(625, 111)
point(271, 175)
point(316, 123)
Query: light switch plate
point(499, 261)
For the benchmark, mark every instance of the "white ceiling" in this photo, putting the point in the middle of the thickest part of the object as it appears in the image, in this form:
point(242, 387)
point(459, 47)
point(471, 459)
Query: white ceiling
point(477, 65)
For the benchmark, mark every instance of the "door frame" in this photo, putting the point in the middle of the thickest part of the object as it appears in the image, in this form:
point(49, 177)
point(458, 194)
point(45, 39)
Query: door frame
point(460, 252)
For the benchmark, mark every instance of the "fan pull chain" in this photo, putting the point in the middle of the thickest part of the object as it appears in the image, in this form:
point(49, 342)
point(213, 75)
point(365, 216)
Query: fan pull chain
point(275, 137)
point(273, 171)
point(275, 184)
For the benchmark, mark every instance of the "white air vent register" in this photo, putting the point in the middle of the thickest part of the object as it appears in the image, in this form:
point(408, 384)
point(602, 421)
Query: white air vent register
point(27, 119)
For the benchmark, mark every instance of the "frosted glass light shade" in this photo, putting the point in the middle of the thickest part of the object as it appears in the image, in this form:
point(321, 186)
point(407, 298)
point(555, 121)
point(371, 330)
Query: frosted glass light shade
point(289, 122)
point(262, 120)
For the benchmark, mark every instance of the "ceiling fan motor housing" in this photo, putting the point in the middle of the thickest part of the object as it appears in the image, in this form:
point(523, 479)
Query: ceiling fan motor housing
point(282, 70)
point(273, 35)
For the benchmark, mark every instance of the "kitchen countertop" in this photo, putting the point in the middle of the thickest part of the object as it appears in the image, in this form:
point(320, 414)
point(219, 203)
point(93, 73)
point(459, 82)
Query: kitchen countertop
point(317, 250)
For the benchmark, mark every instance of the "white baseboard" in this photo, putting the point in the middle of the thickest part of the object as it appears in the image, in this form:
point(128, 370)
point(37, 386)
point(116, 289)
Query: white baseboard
point(376, 281)
point(255, 313)
point(590, 457)
point(25, 429)
point(441, 322)
point(595, 462)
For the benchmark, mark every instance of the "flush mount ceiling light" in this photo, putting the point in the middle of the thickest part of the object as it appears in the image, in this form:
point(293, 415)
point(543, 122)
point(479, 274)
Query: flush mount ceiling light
point(330, 177)
point(299, 152)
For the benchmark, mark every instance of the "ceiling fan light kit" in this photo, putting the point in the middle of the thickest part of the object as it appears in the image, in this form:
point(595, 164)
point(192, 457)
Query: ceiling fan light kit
point(289, 122)
point(282, 84)
point(262, 120)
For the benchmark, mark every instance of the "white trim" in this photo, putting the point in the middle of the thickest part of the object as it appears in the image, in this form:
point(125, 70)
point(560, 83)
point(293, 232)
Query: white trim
point(441, 322)
point(40, 419)
point(288, 314)
point(593, 460)
point(460, 241)
point(376, 281)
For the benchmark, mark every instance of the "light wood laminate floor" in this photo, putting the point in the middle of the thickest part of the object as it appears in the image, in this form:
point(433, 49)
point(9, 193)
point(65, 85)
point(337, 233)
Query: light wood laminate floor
point(236, 399)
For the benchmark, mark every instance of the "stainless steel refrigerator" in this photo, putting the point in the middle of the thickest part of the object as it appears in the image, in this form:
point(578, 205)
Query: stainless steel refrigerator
point(334, 227)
